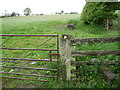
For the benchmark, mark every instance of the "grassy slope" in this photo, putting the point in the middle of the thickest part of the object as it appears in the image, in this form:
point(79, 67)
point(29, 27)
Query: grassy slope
point(48, 24)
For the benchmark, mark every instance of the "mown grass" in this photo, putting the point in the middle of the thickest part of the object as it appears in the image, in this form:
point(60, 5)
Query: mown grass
point(52, 24)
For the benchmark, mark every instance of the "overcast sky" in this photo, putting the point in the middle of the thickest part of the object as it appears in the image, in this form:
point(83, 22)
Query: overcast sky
point(42, 6)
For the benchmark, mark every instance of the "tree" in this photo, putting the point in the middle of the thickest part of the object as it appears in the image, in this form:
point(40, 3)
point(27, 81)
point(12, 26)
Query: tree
point(18, 14)
point(97, 12)
point(62, 11)
point(27, 11)
point(13, 14)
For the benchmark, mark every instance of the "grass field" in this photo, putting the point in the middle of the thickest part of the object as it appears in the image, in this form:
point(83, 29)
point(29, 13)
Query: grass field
point(51, 24)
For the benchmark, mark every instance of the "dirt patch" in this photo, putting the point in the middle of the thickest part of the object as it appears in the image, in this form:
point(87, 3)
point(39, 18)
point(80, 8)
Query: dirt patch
point(20, 85)
point(58, 27)
point(31, 85)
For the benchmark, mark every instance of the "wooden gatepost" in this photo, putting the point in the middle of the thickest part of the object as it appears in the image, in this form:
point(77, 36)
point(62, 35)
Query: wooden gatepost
point(66, 56)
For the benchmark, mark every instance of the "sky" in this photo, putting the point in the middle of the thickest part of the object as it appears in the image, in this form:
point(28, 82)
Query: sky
point(41, 6)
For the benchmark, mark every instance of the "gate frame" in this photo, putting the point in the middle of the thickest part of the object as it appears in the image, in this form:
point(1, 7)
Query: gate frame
point(50, 60)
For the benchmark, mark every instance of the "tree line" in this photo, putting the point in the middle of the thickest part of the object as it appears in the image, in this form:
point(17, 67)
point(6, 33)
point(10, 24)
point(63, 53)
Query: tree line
point(28, 11)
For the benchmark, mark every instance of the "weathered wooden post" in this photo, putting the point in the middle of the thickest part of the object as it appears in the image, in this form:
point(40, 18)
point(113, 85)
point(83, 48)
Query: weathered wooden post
point(109, 75)
point(66, 55)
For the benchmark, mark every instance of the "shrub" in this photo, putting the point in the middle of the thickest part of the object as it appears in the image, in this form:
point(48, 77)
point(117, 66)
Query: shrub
point(3, 16)
point(96, 12)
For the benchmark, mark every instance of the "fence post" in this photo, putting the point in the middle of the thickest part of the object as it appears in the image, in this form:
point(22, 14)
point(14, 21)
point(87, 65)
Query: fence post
point(66, 56)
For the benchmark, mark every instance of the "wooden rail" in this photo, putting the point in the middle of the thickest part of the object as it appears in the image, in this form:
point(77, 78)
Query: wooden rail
point(109, 74)
point(95, 40)
point(95, 53)
point(78, 63)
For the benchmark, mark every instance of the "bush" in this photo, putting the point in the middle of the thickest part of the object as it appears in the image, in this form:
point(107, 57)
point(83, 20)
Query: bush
point(3, 16)
point(13, 14)
point(96, 12)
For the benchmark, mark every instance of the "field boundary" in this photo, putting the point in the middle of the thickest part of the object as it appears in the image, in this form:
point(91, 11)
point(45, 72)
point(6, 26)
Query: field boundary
point(68, 53)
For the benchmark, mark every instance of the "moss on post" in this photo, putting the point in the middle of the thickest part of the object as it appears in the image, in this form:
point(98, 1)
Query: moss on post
point(66, 55)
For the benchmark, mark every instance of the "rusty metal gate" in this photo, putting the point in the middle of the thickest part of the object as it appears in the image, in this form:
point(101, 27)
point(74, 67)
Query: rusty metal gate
point(17, 65)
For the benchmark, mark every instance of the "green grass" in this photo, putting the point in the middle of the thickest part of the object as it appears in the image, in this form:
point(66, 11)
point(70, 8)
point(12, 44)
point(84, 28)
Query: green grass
point(51, 24)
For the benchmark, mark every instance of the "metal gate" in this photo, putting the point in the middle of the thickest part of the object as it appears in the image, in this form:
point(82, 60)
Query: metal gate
point(16, 65)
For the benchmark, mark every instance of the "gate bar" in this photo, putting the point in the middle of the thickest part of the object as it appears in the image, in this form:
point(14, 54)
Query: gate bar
point(33, 35)
point(29, 75)
point(54, 60)
point(24, 79)
point(29, 49)
point(56, 54)
point(30, 68)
